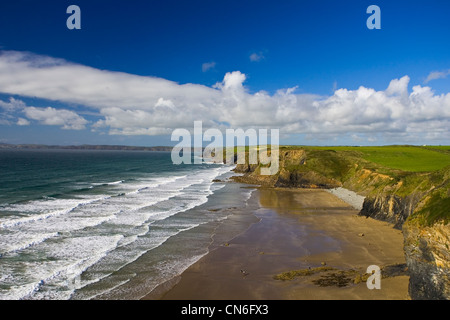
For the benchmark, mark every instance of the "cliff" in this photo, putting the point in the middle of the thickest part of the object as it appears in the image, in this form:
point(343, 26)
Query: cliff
point(293, 173)
point(427, 258)
point(418, 203)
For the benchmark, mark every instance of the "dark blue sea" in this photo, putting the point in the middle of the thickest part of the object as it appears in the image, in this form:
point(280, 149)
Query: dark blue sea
point(77, 224)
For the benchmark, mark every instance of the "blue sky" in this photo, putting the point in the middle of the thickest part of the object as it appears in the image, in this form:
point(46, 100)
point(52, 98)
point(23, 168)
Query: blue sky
point(312, 69)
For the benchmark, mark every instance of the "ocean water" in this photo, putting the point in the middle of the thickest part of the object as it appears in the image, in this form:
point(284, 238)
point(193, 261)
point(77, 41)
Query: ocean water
point(104, 224)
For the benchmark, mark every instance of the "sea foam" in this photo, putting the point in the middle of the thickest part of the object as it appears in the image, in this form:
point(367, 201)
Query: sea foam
point(100, 230)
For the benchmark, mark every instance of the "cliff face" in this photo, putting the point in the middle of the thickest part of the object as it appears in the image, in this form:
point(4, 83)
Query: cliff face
point(290, 175)
point(412, 202)
point(427, 247)
point(390, 208)
point(428, 260)
point(420, 206)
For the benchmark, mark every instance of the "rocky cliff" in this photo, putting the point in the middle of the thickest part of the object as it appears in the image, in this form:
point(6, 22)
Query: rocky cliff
point(293, 173)
point(417, 203)
point(420, 206)
point(427, 258)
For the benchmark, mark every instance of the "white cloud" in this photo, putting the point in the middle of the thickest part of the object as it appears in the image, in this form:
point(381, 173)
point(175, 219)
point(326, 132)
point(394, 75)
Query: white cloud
point(135, 105)
point(12, 105)
point(208, 66)
point(67, 119)
point(232, 81)
point(398, 87)
point(165, 103)
point(22, 122)
point(48, 116)
point(437, 75)
point(44, 77)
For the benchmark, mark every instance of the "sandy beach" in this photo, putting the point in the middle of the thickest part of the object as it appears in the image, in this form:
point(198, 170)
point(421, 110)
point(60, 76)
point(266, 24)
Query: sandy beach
point(294, 229)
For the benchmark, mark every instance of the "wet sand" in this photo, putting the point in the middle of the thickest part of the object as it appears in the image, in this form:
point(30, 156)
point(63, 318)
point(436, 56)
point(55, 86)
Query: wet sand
point(291, 229)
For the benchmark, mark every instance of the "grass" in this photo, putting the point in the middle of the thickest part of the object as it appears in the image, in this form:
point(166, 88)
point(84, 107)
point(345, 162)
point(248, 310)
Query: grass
point(329, 163)
point(406, 158)
point(438, 148)
point(436, 211)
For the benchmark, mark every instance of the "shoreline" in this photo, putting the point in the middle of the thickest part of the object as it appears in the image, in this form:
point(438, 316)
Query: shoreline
point(292, 229)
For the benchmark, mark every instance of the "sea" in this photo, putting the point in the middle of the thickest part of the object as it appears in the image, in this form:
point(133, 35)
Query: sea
point(96, 224)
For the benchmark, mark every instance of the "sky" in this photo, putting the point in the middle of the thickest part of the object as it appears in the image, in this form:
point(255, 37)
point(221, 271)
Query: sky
point(138, 70)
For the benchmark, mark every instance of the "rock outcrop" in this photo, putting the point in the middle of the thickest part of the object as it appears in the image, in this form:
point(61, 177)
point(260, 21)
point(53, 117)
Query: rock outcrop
point(428, 260)
point(390, 208)
point(290, 175)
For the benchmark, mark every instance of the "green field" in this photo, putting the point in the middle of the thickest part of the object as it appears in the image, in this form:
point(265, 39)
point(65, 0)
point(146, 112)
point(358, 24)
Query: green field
point(406, 158)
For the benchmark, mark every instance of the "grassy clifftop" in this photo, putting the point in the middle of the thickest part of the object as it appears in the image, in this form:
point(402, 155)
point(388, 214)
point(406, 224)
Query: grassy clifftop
point(405, 158)
point(420, 174)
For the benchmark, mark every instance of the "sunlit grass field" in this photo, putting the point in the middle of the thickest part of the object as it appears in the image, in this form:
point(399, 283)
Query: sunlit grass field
point(406, 158)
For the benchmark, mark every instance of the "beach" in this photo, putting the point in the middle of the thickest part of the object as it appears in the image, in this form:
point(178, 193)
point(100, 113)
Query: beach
point(282, 230)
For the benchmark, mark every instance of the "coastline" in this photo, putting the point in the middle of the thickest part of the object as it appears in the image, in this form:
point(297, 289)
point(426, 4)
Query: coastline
point(292, 229)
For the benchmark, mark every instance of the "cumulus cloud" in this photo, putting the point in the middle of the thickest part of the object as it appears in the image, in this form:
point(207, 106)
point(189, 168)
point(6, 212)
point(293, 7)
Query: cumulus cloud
point(232, 81)
point(47, 116)
point(7, 109)
point(437, 75)
point(135, 105)
point(22, 122)
point(12, 105)
point(67, 119)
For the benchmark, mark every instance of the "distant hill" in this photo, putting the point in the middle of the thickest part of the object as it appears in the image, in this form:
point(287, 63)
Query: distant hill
point(83, 147)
